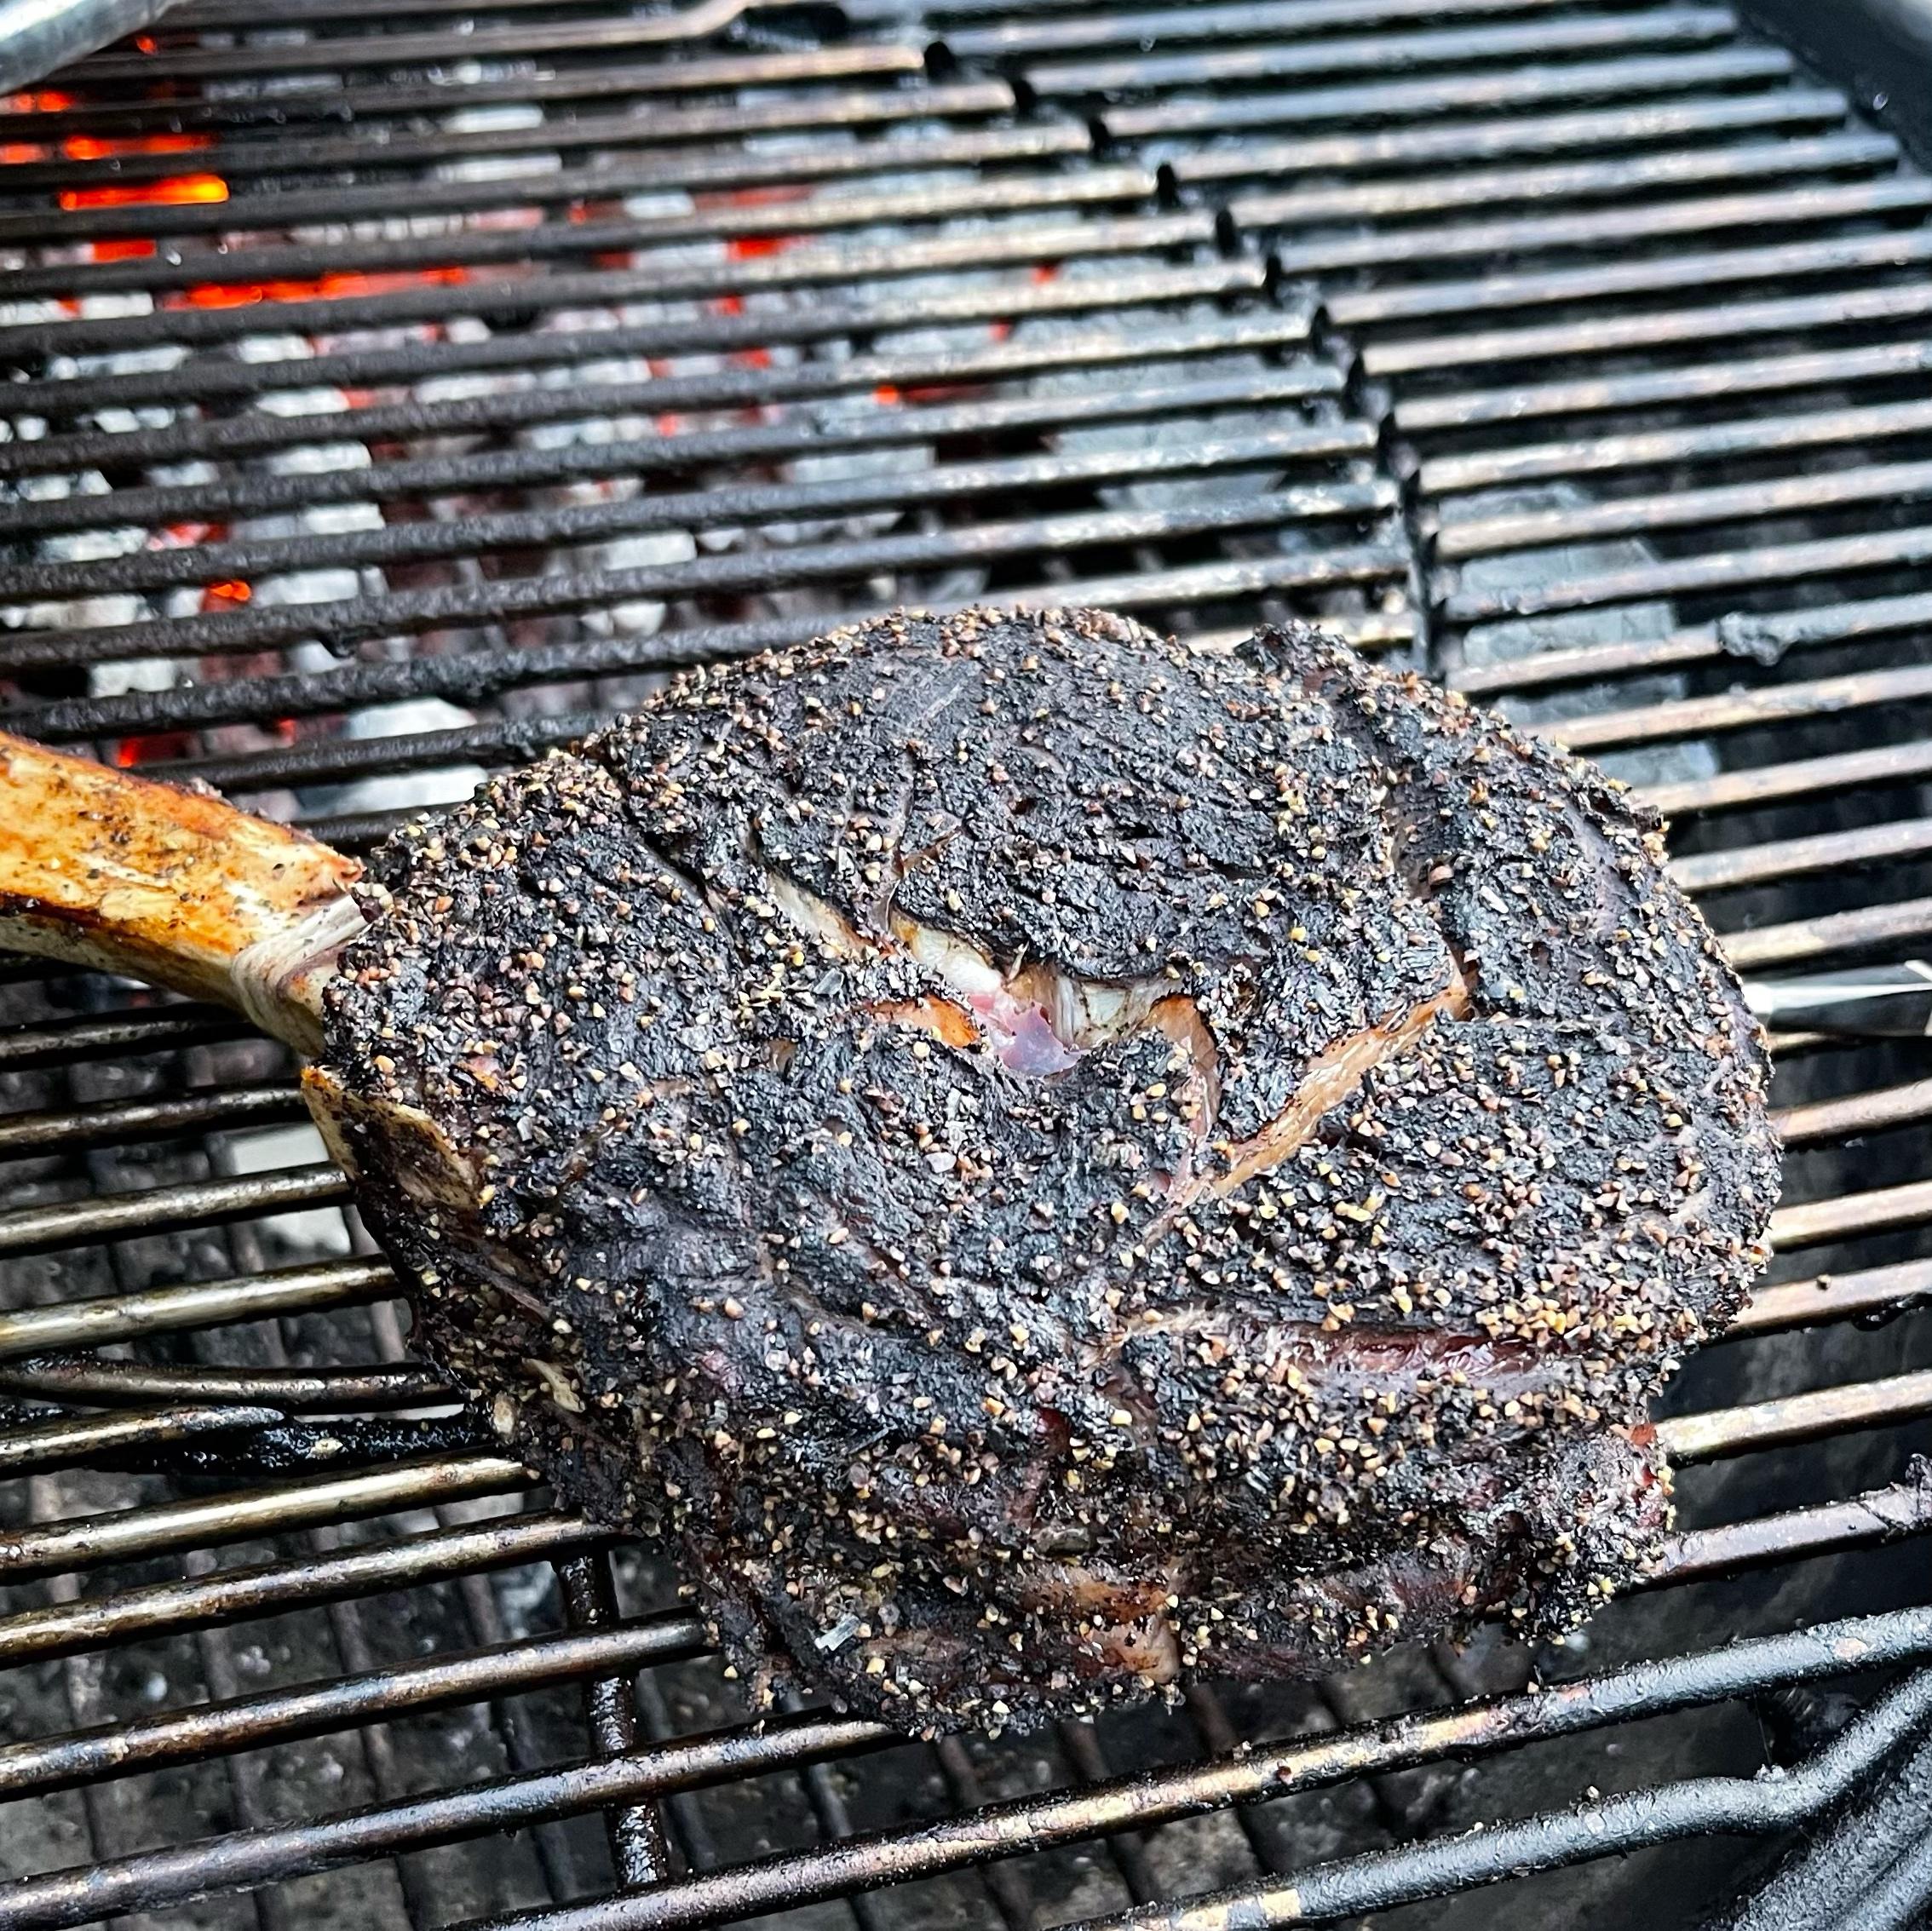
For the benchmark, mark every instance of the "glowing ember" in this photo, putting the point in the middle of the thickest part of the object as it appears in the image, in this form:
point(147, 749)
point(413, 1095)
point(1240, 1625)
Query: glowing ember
point(172, 191)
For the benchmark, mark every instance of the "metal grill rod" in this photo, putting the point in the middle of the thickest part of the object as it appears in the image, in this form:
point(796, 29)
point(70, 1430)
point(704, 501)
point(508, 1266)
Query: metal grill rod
point(1776, 783)
point(1237, 20)
point(195, 1202)
point(396, 612)
point(236, 1595)
point(1660, 221)
point(1642, 276)
point(154, 1029)
point(1869, 927)
point(985, 196)
point(1647, 514)
point(1409, 101)
point(263, 122)
point(282, 1717)
point(1009, 1830)
point(725, 506)
point(1797, 857)
point(97, 1540)
point(996, 1831)
point(1540, 39)
point(1886, 1400)
point(1721, 570)
point(1857, 1295)
point(1741, 709)
point(832, 320)
point(1879, 1515)
point(345, 53)
point(1021, 243)
point(1706, 380)
point(238, 1862)
point(1379, 1880)
point(600, 180)
point(22, 1134)
point(1426, 145)
point(65, 1441)
point(109, 1319)
point(330, 1390)
point(1702, 442)
point(882, 426)
point(1619, 177)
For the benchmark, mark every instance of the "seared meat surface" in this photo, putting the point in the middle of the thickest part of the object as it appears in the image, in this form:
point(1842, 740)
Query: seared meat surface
point(1047, 1163)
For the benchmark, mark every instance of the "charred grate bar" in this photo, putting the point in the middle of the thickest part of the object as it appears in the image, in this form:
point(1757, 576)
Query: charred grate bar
point(395, 393)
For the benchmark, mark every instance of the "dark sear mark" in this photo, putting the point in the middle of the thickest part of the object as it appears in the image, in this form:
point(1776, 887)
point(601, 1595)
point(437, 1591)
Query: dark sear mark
point(1047, 1163)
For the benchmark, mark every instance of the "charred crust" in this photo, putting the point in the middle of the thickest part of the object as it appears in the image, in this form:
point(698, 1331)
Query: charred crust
point(909, 1308)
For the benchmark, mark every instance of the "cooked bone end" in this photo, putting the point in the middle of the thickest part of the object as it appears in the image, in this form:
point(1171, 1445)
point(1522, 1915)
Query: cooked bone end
point(114, 871)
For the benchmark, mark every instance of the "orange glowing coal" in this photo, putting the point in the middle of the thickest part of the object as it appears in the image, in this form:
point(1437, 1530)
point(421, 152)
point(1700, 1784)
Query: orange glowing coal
point(331, 287)
point(172, 191)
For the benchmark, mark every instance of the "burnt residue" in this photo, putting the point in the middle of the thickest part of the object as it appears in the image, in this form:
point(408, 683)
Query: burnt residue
point(845, 1119)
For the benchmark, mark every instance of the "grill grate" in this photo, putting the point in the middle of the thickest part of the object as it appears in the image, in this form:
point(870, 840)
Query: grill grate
point(396, 390)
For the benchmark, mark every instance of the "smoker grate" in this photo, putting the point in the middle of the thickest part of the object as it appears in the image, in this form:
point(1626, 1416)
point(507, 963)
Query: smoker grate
point(395, 389)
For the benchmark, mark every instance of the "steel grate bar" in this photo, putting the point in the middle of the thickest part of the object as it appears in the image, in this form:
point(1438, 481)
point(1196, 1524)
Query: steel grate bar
point(1623, 176)
point(1850, 1214)
point(881, 426)
point(1008, 1830)
point(722, 506)
point(1796, 778)
point(256, 127)
point(1906, 194)
point(1643, 276)
point(264, 628)
point(1741, 709)
point(110, 1382)
point(1877, 1516)
point(1798, 941)
point(1463, 535)
point(157, 1029)
point(517, 296)
point(1650, 27)
point(1240, 20)
point(1553, 1841)
point(996, 1831)
point(234, 1595)
point(278, 1716)
point(1797, 857)
point(195, 1202)
point(280, 209)
point(1857, 1113)
point(1884, 1401)
point(30, 1446)
point(135, 1533)
point(475, 674)
point(1425, 148)
point(826, 322)
point(1701, 442)
point(1696, 326)
point(24, 1134)
point(1764, 635)
point(396, 50)
point(1830, 1297)
point(1769, 563)
point(107, 1320)
point(483, 247)
point(1398, 100)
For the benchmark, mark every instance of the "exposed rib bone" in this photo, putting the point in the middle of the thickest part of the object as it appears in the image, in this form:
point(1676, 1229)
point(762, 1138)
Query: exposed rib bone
point(107, 870)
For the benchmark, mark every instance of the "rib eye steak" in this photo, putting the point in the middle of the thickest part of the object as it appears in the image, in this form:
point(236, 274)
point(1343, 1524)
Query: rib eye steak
point(1045, 1162)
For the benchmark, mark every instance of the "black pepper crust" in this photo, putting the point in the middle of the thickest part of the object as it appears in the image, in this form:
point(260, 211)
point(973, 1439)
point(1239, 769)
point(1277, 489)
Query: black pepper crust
point(1047, 1163)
